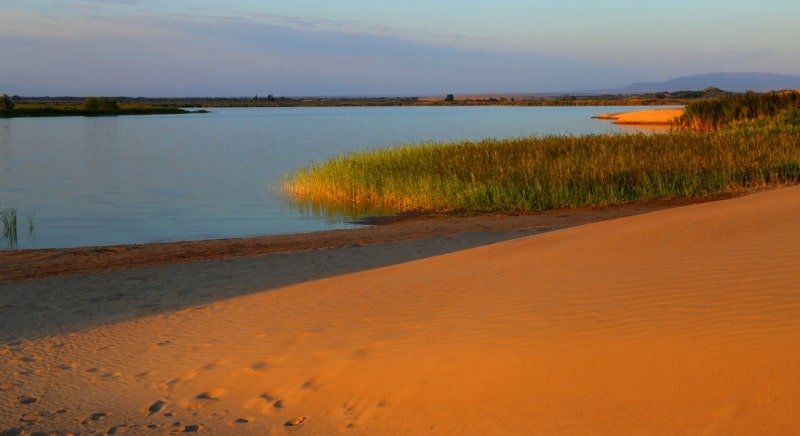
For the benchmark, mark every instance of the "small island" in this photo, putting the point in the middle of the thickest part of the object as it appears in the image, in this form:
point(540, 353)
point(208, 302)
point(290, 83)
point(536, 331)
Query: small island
point(88, 107)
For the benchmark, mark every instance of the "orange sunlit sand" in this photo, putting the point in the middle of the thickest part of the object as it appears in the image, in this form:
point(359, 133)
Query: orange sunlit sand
point(660, 116)
point(681, 321)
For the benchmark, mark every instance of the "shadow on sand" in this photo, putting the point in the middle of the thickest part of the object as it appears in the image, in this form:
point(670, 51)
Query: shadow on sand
point(37, 308)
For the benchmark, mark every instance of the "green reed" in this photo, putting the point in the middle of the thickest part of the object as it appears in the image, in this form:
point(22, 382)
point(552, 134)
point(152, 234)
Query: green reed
point(8, 219)
point(538, 173)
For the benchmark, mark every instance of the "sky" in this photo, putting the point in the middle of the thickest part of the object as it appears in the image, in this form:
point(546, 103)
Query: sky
point(382, 47)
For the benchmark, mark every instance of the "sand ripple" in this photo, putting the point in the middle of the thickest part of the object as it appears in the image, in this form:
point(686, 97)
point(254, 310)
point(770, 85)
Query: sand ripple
point(683, 321)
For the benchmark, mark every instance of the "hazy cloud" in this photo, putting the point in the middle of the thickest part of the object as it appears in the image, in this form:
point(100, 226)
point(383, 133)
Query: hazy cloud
point(132, 54)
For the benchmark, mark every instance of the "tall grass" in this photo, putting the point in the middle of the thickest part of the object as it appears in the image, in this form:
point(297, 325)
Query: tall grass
point(710, 115)
point(537, 173)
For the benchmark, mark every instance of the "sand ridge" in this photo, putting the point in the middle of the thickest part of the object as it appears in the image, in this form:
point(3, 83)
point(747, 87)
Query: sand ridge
point(679, 321)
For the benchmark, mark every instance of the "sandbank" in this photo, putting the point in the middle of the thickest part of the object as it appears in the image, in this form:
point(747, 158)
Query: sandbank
point(684, 320)
point(661, 116)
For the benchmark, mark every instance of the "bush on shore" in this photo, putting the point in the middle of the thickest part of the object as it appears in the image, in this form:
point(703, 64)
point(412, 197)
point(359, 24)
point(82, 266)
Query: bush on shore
point(100, 104)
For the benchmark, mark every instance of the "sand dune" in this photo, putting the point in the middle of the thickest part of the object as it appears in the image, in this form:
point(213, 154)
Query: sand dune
point(683, 321)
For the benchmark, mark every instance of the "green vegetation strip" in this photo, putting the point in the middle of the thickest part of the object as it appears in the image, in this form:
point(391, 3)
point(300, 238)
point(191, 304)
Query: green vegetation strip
point(538, 173)
point(58, 112)
point(89, 107)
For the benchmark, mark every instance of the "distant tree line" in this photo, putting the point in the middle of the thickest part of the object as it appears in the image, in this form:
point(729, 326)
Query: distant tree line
point(94, 106)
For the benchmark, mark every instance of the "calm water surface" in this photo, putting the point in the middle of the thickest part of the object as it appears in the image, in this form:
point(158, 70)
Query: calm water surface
point(137, 179)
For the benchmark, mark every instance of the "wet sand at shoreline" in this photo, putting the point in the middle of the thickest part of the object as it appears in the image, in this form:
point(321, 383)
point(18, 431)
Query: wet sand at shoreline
point(26, 264)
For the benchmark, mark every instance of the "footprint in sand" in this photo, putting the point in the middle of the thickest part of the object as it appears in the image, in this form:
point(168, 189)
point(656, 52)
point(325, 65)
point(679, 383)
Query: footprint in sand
point(156, 407)
point(25, 399)
point(143, 375)
point(214, 394)
point(118, 429)
point(95, 417)
point(30, 418)
point(259, 366)
point(102, 375)
point(172, 384)
point(295, 422)
point(192, 428)
point(265, 403)
point(202, 400)
point(358, 410)
point(276, 403)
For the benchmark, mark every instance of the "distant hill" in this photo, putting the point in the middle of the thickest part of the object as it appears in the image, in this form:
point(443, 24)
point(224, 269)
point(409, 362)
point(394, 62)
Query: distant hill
point(736, 82)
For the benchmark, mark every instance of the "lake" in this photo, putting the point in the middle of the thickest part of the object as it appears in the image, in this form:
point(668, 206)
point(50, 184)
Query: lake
point(137, 179)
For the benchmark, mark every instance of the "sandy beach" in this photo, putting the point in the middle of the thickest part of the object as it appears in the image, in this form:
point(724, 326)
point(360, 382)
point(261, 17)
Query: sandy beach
point(649, 319)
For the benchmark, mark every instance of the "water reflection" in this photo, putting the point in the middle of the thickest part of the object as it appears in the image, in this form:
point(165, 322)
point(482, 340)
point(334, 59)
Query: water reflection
point(333, 214)
point(101, 139)
point(5, 149)
point(8, 215)
point(116, 180)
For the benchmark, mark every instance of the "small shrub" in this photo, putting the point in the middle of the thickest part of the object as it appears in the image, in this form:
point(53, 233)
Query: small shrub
point(6, 103)
point(96, 104)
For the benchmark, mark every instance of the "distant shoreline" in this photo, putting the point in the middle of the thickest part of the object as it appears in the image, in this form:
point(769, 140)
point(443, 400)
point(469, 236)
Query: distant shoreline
point(64, 112)
point(157, 103)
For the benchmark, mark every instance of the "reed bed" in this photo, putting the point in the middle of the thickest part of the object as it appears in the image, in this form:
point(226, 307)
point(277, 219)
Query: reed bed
point(711, 115)
point(538, 173)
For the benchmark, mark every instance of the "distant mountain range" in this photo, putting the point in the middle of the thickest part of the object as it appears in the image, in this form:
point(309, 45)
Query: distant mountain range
point(735, 82)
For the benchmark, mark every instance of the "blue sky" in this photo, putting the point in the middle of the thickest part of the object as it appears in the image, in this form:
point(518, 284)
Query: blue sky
point(360, 47)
